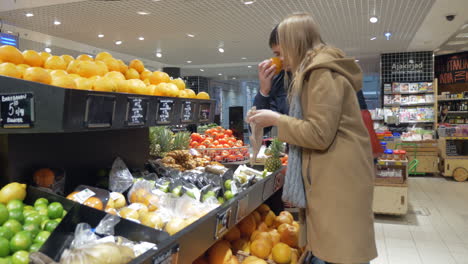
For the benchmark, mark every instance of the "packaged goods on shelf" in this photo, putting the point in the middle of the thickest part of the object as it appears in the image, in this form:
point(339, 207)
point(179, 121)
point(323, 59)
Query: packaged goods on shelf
point(417, 114)
point(417, 134)
point(414, 87)
point(453, 131)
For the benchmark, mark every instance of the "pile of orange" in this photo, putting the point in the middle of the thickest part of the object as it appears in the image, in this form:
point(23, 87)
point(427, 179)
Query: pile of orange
point(104, 73)
point(263, 235)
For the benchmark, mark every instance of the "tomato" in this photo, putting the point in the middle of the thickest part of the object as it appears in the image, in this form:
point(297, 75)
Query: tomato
point(216, 142)
point(211, 146)
point(232, 158)
point(202, 147)
point(220, 146)
point(239, 157)
point(247, 155)
point(223, 141)
point(228, 132)
point(225, 153)
point(196, 137)
point(218, 158)
point(194, 144)
point(209, 131)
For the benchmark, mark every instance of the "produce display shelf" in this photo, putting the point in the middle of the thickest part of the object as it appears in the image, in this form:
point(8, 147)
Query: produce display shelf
point(30, 107)
point(410, 105)
point(452, 99)
point(419, 92)
point(201, 235)
point(417, 122)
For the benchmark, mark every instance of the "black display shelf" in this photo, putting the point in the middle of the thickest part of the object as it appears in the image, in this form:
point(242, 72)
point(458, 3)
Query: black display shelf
point(30, 107)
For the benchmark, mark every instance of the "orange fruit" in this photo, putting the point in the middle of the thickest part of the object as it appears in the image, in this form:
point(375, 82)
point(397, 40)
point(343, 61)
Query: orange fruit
point(275, 236)
point(67, 58)
point(262, 227)
point(138, 195)
point(71, 196)
point(278, 63)
point(32, 58)
point(94, 202)
point(55, 63)
point(240, 244)
point(253, 260)
point(102, 68)
point(172, 90)
point(179, 83)
point(233, 234)
point(123, 86)
point(288, 214)
point(203, 95)
point(111, 211)
point(103, 55)
point(159, 77)
point(88, 69)
point(115, 75)
point(146, 74)
point(123, 66)
point(247, 226)
point(84, 57)
point(83, 83)
point(160, 90)
point(137, 65)
point(105, 85)
point(44, 55)
point(183, 94)
point(281, 253)
point(64, 82)
point(11, 54)
point(136, 86)
point(191, 93)
point(22, 68)
point(258, 218)
point(74, 75)
point(56, 73)
point(9, 69)
point(73, 66)
point(289, 235)
point(200, 260)
point(151, 201)
point(220, 253)
point(129, 213)
point(132, 74)
point(112, 64)
point(37, 74)
point(147, 82)
point(282, 219)
point(263, 209)
point(261, 235)
point(260, 248)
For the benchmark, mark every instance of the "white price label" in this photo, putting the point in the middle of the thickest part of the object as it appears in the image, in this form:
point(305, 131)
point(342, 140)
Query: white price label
point(114, 196)
point(84, 195)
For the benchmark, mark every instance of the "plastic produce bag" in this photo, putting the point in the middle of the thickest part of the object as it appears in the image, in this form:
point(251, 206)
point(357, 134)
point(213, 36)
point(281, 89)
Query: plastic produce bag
point(107, 225)
point(256, 137)
point(120, 178)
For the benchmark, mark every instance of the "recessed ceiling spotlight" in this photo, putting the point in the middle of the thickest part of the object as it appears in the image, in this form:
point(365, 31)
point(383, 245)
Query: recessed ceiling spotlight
point(373, 38)
point(118, 42)
point(250, 66)
point(220, 74)
point(29, 14)
point(56, 22)
point(202, 70)
point(221, 50)
point(373, 20)
point(388, 35)
point(190, 35)
point(189, 61)
point(48, 50)
point(248, 2)
point(356, 60)
point(234, 78)
point(158, 54)
point(100, 35)
point(459, 42)
point(141, 38)
point(244, 58)
point(143, 13)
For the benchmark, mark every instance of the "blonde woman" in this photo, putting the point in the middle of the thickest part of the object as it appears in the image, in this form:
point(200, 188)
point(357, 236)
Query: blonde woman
point(330, 171)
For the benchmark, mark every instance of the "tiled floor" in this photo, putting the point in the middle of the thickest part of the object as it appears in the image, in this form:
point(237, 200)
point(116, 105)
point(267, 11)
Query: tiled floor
point(435, 230)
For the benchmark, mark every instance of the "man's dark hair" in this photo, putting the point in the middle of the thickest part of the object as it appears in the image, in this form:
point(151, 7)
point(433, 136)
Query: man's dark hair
point(274, 37)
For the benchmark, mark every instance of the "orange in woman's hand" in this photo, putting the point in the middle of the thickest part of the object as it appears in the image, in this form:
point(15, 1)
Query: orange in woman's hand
point(279, 64)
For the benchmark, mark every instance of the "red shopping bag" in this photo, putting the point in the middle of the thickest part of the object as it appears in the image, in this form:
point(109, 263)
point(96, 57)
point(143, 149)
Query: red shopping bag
point(376, 147)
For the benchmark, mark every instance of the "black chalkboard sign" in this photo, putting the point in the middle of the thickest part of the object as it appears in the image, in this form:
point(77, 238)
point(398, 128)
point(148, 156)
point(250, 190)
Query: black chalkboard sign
point(17, 110)
point(204, 112)
point(187, 113)
point(165, 111)
point(100, 110)
point(136, 111)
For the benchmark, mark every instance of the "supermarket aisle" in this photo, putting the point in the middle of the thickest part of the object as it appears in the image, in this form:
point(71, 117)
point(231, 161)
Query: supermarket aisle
point(435, 231)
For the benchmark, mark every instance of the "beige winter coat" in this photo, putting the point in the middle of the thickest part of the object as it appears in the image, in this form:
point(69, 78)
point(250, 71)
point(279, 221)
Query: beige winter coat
point(337, 164)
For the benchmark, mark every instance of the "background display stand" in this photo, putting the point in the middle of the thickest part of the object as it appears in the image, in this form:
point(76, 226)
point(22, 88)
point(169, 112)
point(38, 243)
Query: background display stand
point(454, 157)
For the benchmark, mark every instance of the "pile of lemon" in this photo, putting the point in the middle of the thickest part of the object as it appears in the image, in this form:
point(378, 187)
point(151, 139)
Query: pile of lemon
point(103, 73)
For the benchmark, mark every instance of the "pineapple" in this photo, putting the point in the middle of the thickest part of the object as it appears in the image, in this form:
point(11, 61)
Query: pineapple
point(273, 163)
point(181, 141)
point(160, 141)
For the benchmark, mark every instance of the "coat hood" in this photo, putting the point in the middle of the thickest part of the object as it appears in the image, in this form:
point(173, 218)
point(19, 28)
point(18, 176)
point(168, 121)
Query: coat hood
point(334, 59)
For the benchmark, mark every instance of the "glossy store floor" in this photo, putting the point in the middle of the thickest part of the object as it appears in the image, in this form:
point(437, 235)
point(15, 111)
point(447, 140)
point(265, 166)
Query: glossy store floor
point(435, 230)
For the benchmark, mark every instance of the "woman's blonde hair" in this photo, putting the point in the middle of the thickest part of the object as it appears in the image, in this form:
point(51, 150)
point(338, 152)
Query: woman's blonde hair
point(299, 40)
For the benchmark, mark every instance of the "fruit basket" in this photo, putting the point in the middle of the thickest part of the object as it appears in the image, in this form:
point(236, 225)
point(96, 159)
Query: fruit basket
point(226, 155)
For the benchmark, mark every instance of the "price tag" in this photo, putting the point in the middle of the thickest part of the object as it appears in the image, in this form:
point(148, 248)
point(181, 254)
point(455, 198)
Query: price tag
point(242, 206)
point(17, 110)
point(136, 111)
point(83, 195)
point(114, 196)
point(204, 113)
point(100, 110)
point(222, 223)
point(165, 110)
point(188, 108)
point(167, 257)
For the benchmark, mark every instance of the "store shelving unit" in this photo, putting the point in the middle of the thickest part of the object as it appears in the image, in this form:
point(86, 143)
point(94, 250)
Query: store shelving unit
point(454, 157)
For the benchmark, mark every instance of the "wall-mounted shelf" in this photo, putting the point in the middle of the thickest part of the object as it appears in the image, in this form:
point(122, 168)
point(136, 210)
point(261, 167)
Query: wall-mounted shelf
point(410, 105)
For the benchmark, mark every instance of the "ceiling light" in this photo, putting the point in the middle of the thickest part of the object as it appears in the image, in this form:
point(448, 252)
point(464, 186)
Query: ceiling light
point(462, 35)
point(9, 32)
point(248, 2)
point(373, 38)
point(190, 35)
point(234, 78)
point(220, 74)
point(141, 38)
point(202, 70)
point(189, 61)
point(244, 58)
point(356, 60)
point(221, 50)
point(29, 14)
point(100, 35)
point(459, 42)
point(373, 20)
point(143, 13)
point(250, 66)
point(388, 35)
point(118, 42)
point(48, 50)
point(158, 54)
point(57, 22)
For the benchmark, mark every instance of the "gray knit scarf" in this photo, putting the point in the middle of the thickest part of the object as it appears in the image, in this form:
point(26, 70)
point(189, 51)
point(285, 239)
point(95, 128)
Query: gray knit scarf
point(293, 189)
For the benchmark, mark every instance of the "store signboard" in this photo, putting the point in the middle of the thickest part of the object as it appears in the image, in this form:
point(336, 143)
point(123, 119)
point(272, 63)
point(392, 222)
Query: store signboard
point(204, 112)
point(17, 110)
point(407, 66)
point(100, 111)
point(165, 111)
point(136, 111)
point(187, 113)
point(242, 208)
point(452, 69)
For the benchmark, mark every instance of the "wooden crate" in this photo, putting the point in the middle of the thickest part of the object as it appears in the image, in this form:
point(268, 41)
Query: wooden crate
point(390, 199)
